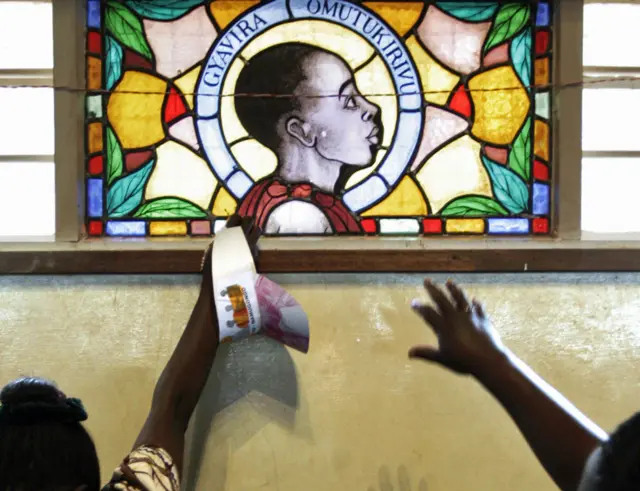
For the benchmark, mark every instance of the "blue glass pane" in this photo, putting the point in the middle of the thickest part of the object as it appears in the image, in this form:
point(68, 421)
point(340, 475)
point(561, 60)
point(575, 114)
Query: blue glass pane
point(94, 197)
point(93, 13)
point(542, 19)
point(540, 199)
point(127, 229)
point(508, 225)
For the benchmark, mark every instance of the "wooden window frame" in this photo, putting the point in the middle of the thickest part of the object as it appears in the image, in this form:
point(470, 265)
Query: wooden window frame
point(566, 250)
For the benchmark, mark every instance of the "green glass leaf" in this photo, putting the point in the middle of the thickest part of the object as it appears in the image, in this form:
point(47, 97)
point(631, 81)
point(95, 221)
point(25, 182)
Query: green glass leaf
point(469, 11)
point(508, 188)
point(114, 157)
point(169, 208)
point(473, 206)
point(126, 193)
point(521, 56)
point(520, 156)
point(113, 62)
point(510, 20)
point(125, 26)
point(166, 10)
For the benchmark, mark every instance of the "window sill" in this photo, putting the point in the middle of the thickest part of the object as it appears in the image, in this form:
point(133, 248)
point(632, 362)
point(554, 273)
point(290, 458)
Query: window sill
point(307, 255)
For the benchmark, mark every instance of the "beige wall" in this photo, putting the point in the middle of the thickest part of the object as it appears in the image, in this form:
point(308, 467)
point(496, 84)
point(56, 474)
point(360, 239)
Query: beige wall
point(354, 414)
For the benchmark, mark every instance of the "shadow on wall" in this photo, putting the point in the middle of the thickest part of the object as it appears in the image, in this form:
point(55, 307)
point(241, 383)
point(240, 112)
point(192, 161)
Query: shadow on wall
point(399, 482)
point(258, 373)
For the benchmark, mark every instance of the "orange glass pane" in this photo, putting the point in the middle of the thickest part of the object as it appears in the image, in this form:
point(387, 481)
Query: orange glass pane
point(226, 11)
point(168, 228)
point(402, 16)
point(542, 71)
point(541, 139)
point(94, 137)
point(94, 73)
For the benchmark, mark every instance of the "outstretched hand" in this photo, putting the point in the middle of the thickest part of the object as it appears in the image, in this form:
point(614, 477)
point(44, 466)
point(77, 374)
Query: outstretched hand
point(467, 341)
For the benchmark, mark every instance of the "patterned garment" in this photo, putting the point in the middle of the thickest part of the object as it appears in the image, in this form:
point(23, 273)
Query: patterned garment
point(145, 469)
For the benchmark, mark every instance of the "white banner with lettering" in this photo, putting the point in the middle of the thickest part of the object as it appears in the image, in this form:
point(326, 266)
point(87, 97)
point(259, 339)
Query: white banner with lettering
point(248, 303)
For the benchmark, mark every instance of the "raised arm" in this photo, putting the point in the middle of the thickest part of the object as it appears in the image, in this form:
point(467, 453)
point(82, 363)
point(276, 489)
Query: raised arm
point(180, 385)
point(561, 437)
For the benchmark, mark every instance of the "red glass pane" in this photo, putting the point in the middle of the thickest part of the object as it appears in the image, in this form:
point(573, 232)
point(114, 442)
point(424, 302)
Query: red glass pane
point(95, 228)
point(540, 226)
point(369, 225)
point(133, 160)
point(542, 42)
point(95, 165)
point(174, 107)
point(432, 226)
point(460, 102)
point(94, 43)
point(540, 171)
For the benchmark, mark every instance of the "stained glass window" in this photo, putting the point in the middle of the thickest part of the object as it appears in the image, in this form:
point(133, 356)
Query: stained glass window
point(318, 117)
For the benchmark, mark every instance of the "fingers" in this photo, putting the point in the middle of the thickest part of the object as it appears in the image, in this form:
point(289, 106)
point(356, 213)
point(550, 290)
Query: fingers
point(479, 309)
point(234, 221)
point(459, 297)
point(428, 353)
point(439, 298)
point(430, 315)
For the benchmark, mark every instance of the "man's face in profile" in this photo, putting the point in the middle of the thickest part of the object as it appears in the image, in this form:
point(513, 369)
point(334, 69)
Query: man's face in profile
point(344, 127)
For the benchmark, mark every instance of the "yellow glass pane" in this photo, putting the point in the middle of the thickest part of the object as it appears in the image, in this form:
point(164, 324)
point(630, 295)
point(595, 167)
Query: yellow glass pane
point(454, 171)
point(94, 137)
point(137, 117)
point(94, 73)
point(405, 200)
point(187, 84)
point(437, 81)
point(465, 226)
point(224, 204)
point(225, 11)
point(181, 173)
point(542, 71)
point(541, 139)
point(401, 16)
point(256, 159)
point(501, 104)
point(168, 228)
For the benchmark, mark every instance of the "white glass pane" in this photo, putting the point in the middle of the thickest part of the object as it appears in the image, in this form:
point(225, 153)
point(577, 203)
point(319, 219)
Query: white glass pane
point(611, 34)
point(610, 119)
point(26, 35)
point(26, 122)
point(27, 199)
point(610, 195)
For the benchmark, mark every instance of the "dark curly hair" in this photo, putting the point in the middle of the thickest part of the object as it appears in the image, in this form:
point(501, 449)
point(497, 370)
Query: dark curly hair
point(276, 70)
point(619, 468)
point(43, 445)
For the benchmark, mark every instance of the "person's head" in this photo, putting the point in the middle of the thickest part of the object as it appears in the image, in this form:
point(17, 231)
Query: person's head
point(615, 465)
point(43, 445)
point(343, 126)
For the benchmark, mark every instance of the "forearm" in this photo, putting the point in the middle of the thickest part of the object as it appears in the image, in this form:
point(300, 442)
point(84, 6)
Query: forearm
point(558, 433)
point(181, 383)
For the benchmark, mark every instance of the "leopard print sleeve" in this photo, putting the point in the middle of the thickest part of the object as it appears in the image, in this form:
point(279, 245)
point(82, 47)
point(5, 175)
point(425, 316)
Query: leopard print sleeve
point(145, 469)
